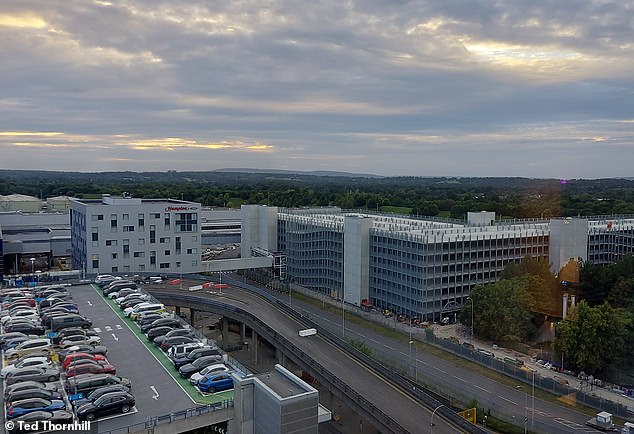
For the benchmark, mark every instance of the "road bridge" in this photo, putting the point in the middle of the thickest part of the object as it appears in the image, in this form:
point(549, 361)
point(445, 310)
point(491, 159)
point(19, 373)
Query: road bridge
point(385, 402)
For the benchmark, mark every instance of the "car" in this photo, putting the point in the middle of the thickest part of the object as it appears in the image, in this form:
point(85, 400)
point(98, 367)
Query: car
point(33, 374)
point(123, 292)
point(34, 392)
point(144, 308)
point(216, 382)
point(72, 331)
point(170, 342)
point(76, 357)
point(86, 383)
point(187, 370)
point(71, 320)
point(180, 350)
point(25, 302)
point(28, 328)
point(13, 342)
point(99, 392)
point(175, 332)
point(158, 332)
point(143, 319)
point(20, 408)
point(98, 349)
point(131, 303)
point(110, 403)
point(53, 417)
point(195, 353)
point(209, 370)
point(28, 384)
point(105, 279)
point(79, 339)
point(28, 362)
point(21, 313)
point(40, 346)
point(89, 367)
point(61, 307)
point(169, 322)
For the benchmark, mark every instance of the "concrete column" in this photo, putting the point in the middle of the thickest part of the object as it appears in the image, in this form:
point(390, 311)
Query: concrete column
point(254, 347)
point(225, 332)
point(192, 314)
point(280, 356)
point(243, 332)
point(178, 310)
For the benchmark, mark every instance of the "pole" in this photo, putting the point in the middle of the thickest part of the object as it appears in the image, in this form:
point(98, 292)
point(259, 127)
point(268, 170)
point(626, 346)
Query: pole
point(472, 319)
point(431, 424)
point(343, 316)
point(533, 403)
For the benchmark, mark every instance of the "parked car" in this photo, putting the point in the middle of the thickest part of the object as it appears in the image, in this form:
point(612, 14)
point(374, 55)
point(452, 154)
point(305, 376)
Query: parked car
point(54, 417)
point(6, 336)
point(158, 340)
point(72, 320)
point(90, 367)
point(31, 361)
point(21, 313)
point(216, 383)
point(86, 383)
point(28, 328)
point(110, 403)
point(141, 309)
point(15, 341)
point(180, 350)
point(169, 322)
point(149, 317)
point(34, 392)
point(157, 332)
point(132, 302)
point(72, 331)
point(187, 370)
point(76, 357)
point(32, 374)
point(98, 349)
point(29, 384)
point(79, 339)
point(122, 293)
point(170, 342)
point(193, 354)
point(92, 396)
point(20, 408)
point(40, 346)
point(209, 370)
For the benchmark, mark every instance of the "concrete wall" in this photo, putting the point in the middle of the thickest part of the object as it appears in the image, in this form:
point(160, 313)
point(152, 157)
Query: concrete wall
point(356, 262)
point(568, 239)
point(259, 228)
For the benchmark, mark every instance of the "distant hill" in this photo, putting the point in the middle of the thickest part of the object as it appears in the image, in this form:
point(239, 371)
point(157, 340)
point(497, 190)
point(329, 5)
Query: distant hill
point(299, 172)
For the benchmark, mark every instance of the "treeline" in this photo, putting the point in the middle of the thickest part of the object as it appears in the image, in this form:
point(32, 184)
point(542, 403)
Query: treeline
point(439, 196)
point(597, 335)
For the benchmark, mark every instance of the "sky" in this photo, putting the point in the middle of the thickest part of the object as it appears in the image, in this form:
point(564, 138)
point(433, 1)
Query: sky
point(540, 89)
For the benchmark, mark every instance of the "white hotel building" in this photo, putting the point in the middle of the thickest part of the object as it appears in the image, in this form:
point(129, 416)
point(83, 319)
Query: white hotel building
point(132, 235)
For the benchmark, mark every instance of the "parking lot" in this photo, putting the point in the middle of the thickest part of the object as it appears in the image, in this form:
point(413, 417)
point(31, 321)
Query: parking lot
point(157, 388)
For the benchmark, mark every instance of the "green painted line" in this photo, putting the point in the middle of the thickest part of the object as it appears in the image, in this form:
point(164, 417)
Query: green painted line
point(190, 389)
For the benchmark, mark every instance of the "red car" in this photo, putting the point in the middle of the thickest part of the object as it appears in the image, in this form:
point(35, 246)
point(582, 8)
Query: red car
point(75, 357)
point(90, 368)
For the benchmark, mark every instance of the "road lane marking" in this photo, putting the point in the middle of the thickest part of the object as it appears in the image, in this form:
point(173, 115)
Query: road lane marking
point(108, 328)
point(118, 327)
point(512, 402)
point(156, 394)
point(115, 337)
point(97, 329)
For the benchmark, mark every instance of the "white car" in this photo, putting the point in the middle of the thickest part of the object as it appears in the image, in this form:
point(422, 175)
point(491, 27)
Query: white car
point(140, 296)
point(26, 314)
point(71, 341)
point(29, 362)
point(127, 311)
point(212, 369)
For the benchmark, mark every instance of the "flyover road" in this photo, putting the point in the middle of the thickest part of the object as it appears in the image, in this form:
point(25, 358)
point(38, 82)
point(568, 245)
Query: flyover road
point(515, 403)
point(409, 413)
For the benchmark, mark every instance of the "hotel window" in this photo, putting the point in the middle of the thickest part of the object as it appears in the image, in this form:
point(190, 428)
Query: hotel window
point(187, 222)
point(113, 223)
point(141, 241)
point(111, 242)
point(167, 221)
point(126, 217)
point(155, 215)
point(152, 234)
point(167, 253)
point(164, 265)
point(141, 221)
point(128, 229)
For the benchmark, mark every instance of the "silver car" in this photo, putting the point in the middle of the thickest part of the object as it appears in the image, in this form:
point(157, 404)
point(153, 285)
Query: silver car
point(28, 362)
point(32, 374)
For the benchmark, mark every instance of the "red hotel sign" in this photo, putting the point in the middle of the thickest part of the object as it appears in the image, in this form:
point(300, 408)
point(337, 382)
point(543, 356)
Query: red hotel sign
point(181, 208)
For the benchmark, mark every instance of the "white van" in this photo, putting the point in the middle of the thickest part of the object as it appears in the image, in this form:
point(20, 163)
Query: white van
point(144, 308)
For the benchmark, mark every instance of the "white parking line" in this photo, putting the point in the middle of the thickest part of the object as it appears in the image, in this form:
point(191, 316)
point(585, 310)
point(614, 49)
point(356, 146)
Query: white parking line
point(512, 402)
point(97, 329)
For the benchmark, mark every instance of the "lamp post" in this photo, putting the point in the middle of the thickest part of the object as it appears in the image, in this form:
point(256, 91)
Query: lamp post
point(32, 265)
point(533, 402)
point(343, 315)
point(471, 300)
point(431, 424)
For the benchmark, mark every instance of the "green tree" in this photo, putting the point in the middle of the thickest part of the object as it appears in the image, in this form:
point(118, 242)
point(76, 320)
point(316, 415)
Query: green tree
point(594, 339)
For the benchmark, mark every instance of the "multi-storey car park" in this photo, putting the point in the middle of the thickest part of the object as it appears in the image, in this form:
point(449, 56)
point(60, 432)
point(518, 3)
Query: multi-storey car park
point(418, 267)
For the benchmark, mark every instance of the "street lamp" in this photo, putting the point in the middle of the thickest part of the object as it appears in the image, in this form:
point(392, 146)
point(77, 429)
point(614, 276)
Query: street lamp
point(471, 300)
point(32, 265)
point(343, 315)
point(431, 424)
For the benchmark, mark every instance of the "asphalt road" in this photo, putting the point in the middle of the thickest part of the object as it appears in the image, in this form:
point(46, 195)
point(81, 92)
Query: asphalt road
point(516, 403)
point(407, 412)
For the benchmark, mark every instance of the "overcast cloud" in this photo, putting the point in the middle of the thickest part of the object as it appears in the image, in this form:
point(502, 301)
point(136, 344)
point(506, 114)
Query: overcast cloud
point(439, 87)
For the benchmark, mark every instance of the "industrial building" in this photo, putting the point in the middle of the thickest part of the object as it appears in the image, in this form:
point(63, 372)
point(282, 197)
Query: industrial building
point(123, 234)
point(421, 268)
